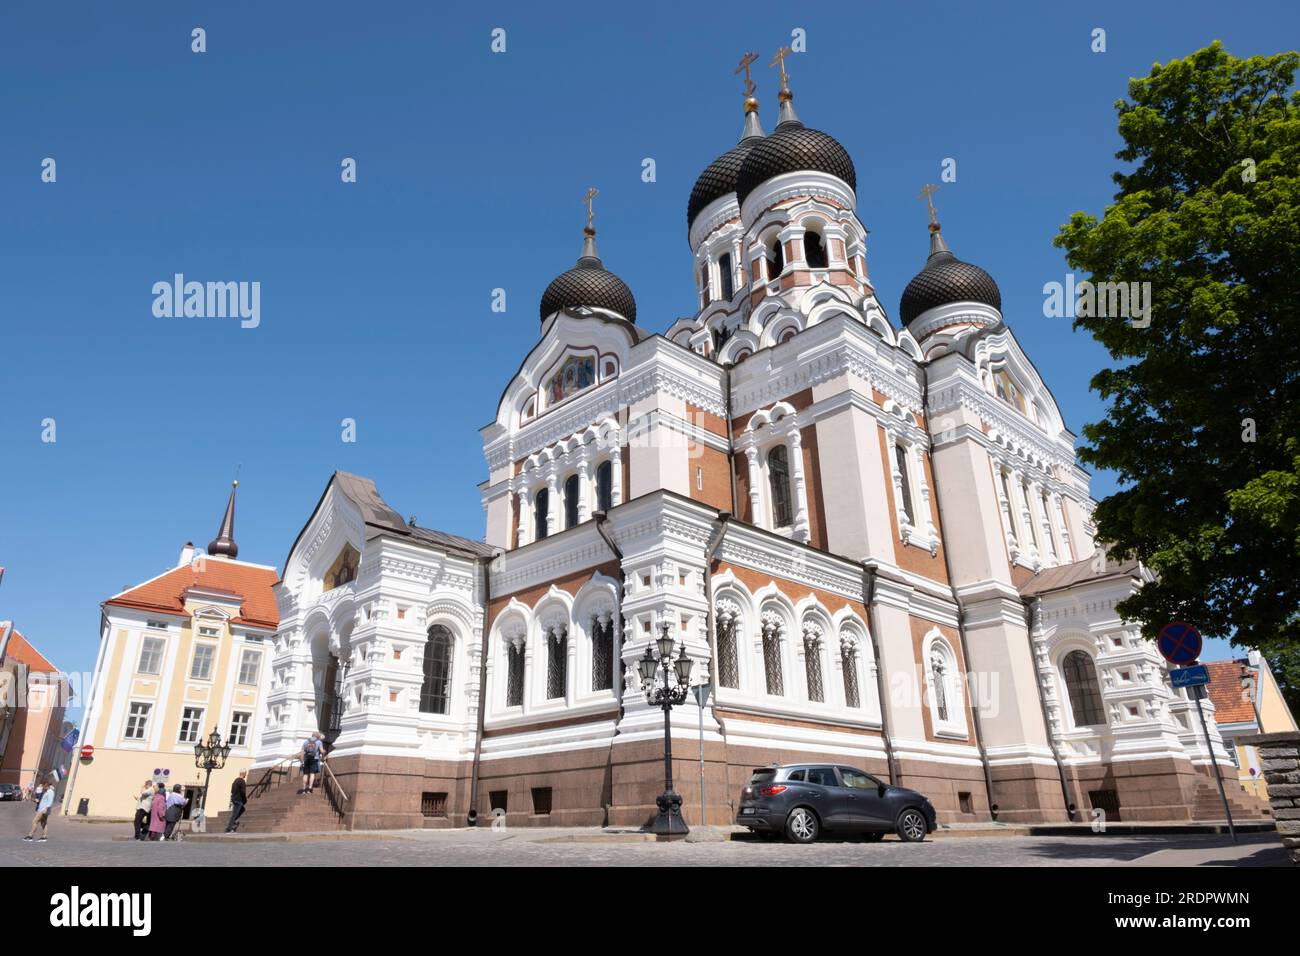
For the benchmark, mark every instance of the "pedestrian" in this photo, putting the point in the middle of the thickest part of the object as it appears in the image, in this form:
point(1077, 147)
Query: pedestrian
point(238, 797)
point(176, 802)
point(158, 813)
point(143, 803)
point(44, 803)
point(313, 752)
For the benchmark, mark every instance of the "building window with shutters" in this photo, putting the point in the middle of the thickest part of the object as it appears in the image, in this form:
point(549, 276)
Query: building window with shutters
point(435, 692)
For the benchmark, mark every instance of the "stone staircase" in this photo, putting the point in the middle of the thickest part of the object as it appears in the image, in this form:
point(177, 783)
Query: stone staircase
point(1245, 807)
point(275, 806)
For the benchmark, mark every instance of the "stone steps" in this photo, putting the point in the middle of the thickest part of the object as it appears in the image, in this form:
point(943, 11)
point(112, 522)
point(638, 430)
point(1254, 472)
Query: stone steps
point(279, 808)
point(1209, 806)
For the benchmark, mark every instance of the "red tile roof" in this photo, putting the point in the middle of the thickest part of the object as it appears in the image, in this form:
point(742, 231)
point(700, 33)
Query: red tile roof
point(251, 583)
point(21, 650)
point(1231, 705)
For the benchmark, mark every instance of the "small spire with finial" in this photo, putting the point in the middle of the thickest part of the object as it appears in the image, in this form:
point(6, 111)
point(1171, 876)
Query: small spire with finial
point(752, 125)
point(224, 542)
point(787, 114)
point(936, 237)
point(589, 231)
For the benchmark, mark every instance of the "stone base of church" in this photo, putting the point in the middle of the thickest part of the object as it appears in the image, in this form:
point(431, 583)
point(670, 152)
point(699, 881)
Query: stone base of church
point(616, 785)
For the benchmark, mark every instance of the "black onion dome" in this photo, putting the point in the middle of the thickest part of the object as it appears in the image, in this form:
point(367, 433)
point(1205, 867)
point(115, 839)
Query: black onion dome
point(944, 280)
point(791, 148)
point(718, 178)
point(589, 284)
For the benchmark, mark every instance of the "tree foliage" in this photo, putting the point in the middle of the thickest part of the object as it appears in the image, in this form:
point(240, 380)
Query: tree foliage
point(1207, 211)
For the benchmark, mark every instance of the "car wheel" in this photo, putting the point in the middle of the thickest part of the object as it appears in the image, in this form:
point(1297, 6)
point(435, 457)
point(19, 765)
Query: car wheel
point(911, 826)
point(801, 825)
point(874, 837)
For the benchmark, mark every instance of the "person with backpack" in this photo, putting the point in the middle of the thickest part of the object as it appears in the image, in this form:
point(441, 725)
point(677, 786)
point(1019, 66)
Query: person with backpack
point(175, 810)
point(313, 752)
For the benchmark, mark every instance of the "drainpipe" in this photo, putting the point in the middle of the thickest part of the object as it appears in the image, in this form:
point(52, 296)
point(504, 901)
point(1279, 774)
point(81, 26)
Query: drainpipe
point(731, 448)
point(869, 573)
point(602, 527)
point(471, 818)
point(1030, 616)
point(956, 599)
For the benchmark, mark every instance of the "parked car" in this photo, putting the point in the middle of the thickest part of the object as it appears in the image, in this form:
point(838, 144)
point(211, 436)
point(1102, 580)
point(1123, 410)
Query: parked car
point(804, 800)
point(10, 791)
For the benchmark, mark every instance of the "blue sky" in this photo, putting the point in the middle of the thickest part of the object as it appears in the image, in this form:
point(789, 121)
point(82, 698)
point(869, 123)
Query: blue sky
point(471, 168)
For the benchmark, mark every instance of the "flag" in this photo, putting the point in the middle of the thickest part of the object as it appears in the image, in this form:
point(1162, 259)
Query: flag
point(59, 773)
point(70, 740)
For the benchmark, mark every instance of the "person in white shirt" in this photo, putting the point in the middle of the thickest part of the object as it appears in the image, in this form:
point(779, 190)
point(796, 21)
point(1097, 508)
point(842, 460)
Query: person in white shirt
point(44, 804)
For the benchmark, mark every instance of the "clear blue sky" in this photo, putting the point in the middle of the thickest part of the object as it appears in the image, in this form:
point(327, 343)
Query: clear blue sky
point(375, 296)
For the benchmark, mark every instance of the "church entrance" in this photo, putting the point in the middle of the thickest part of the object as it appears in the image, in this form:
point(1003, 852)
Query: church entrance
point(331, 712)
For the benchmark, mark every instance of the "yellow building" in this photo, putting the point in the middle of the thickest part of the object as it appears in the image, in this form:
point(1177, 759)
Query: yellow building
point(180, 655)
point(1247, 701)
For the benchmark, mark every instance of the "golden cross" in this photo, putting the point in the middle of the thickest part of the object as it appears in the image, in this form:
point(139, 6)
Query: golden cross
point(928, 190)
point(779, 60)
point(745, 60)
point(591, 194)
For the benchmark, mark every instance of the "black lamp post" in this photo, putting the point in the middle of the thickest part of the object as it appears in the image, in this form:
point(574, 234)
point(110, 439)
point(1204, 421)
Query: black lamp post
point(210, 756)
point(668, 693)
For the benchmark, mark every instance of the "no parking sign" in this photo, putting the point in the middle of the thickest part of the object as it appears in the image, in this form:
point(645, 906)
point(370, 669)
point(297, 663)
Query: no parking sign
point(1179, 643)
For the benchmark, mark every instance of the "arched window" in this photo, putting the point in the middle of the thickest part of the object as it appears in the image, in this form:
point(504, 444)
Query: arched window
point(812, 650)
point(725, 273)
point(605, 486)
point(541, 508)
point(557, 661)
point(728, 621)
point(515, 673)
point(788, 334)
point(571, 493)
point(939, 673)
point(1081, 687)
point(946, 712)
point(900, 457)
point(772, 629)
point(778, 479)
point(435, 692)
point(602, 654)
point(849, 664)
point(814, 251)
point(704, 282)
point(775, 258)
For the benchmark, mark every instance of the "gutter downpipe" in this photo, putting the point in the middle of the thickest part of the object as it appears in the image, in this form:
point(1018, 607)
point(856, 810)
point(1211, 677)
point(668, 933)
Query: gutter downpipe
point(715, 542)
point(602, 528)
point(869, 572)
point(731, 454)
point(471, 817)
point(956, 600)
point(1031, 615)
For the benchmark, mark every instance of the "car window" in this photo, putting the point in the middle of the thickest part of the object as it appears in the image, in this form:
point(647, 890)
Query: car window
point(761, 775)
point(857, 779)
point(796, 775)
point(823, 776)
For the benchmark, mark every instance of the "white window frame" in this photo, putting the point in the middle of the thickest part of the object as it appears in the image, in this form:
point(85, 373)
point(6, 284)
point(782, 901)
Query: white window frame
point(194, 659)
point(245, 654)
point(198, 725)
point(955, 725)
point(147, 644)
point(143, 715)
point(247, 727)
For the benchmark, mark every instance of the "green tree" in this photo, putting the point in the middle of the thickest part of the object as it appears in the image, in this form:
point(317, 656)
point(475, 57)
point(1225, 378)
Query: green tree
point(1207, 212)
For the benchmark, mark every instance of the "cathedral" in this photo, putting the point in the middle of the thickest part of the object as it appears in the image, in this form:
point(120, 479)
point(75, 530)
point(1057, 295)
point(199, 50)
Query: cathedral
point(865, 526)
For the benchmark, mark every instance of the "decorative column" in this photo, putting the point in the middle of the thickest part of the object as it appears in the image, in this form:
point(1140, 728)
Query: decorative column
point(1045, 522)
point(791, 237)
point(552, 501)
point(525, 517)
point(754, 479)
point(801, 529)
point(837, 252)
point(584, 486)
point(1004, 506)
point(616, 476)
point(1066, 547)
point(1027, 518)
point(898, 477)
point(924, 519)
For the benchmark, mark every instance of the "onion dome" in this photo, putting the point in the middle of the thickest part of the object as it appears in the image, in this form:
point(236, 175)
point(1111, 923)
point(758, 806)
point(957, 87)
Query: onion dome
point(589, 283)
point(719, 177)
point(944, 280)
point(224, 542)
point(792, 148)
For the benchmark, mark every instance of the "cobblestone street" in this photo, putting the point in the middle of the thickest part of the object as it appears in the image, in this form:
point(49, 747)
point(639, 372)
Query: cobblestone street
point(78, 843)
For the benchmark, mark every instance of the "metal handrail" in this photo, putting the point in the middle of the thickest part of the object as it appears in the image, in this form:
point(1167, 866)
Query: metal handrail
point(337, 799)
point(265, 783)
point(333, 779)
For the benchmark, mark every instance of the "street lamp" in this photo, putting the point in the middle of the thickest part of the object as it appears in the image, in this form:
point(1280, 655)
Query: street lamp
point(210, 756)
point(666, 693)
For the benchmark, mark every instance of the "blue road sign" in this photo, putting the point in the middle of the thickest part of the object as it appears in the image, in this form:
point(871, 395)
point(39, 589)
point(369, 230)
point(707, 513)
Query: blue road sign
point(1179, 643)
point(1194, 676)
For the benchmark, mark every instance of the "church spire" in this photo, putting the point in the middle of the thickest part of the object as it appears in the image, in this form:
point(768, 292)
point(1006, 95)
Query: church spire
point(590, 258)
point(752, 125)
point(937, 245)
point(224, 543)
point(787, 114)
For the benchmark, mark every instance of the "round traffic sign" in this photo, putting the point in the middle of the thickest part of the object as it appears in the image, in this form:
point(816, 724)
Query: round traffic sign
point(87, 752)
point(1179, 643)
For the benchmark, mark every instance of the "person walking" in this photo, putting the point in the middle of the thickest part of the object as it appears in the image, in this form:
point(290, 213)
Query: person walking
point(176, 802)
point(44, 803)
point(158, 813)
point(313, 751)
point(238, 798)
point(143, 803)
